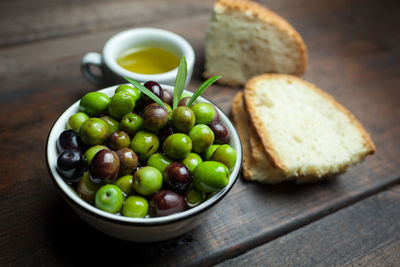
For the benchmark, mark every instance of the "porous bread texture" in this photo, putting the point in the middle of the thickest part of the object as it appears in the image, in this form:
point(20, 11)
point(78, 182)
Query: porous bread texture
point(256, 165)
point(304, 131)
point(245, 39)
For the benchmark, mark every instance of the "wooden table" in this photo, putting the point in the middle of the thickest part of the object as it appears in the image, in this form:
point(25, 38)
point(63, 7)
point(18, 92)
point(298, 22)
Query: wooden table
point(354, 54)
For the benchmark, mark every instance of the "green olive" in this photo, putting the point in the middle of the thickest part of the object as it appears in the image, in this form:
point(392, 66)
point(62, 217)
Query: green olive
point(93, 131)
point(191, 161)
point(202, 137)
point(121, 103)
point(159, 161)
point(125, 184)
point(204, 113)
point(112, 124)
point(183, 119)
point(144, 144)
point(76, 120)
point(194, 196)
point(209, 152)
point(109, 198)
point(135, 206)
point(94, 103)
point(226, 155)
point(210, 176)
point(147, 181)
point(129, 89)
point(177, 146)
point(86, 189)
point(131, 123)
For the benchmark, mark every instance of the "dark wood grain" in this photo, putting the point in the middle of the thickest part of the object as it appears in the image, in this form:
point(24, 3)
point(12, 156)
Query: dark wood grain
point(28, 21)
point(353, 54)
point(387, 255)
point(357, 235)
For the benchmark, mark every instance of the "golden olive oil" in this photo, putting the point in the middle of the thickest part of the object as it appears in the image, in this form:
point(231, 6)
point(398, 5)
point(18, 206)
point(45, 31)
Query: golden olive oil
point(148, 60)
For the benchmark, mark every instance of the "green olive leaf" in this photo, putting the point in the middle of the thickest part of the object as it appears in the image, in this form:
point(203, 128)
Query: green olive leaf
point(146, 91)
point(179, 82)
point(202, 88)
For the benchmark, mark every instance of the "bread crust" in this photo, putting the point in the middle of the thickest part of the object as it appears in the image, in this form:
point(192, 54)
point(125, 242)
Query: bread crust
point(238, 117)
point(256, 165)
point(250, 99)
point(267, 16)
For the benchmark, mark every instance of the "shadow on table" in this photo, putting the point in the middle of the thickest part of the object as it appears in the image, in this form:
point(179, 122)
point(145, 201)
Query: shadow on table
point(75, 242)
point(289, 187)
point(72, 239)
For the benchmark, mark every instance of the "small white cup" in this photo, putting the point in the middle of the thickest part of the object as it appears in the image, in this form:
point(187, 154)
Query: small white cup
point(112, 73)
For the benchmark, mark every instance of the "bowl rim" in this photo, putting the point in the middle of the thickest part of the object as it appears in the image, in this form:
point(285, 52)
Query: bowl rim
point(79, 203)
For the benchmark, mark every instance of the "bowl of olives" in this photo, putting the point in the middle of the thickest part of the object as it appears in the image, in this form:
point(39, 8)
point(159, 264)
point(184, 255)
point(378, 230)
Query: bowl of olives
point(141, 168)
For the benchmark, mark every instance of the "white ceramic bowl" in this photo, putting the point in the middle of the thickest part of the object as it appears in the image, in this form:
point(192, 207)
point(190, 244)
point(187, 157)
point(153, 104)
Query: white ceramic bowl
point(136, 229)
point(112, 73)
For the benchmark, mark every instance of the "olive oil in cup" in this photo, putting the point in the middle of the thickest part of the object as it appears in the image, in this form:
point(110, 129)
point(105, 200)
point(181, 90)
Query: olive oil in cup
point(103, 68)
point(148, 60)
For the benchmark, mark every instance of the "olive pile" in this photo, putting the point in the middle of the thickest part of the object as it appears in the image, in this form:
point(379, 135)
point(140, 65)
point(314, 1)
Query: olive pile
point(129, 155)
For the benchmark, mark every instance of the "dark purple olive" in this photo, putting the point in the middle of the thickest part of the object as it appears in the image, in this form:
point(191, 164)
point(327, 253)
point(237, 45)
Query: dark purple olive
point(221, 134)
point(177, 176)
point(155, 88)
point(147, 107)
point(150, 106)
point(155, 118)
point(167, 97)
point(68, 140)
point(104, 166)
point(165, 132)
point(128, 161)
point(184, 101)
point(139, 105)
point(166, 202)
point(70, 165)
point(118, 140)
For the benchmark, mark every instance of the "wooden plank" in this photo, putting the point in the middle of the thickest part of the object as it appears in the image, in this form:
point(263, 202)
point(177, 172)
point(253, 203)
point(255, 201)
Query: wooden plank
point(387, 255)
point(364, 234)
point(359, 66)
point(27, 21)
point(20, 71)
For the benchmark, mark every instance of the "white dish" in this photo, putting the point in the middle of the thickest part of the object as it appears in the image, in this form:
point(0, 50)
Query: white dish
point(137, 229)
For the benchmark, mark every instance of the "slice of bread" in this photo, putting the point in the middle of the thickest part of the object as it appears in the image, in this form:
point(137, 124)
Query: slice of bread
point(256, 165)
point(303, 130)
point(245, 39)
